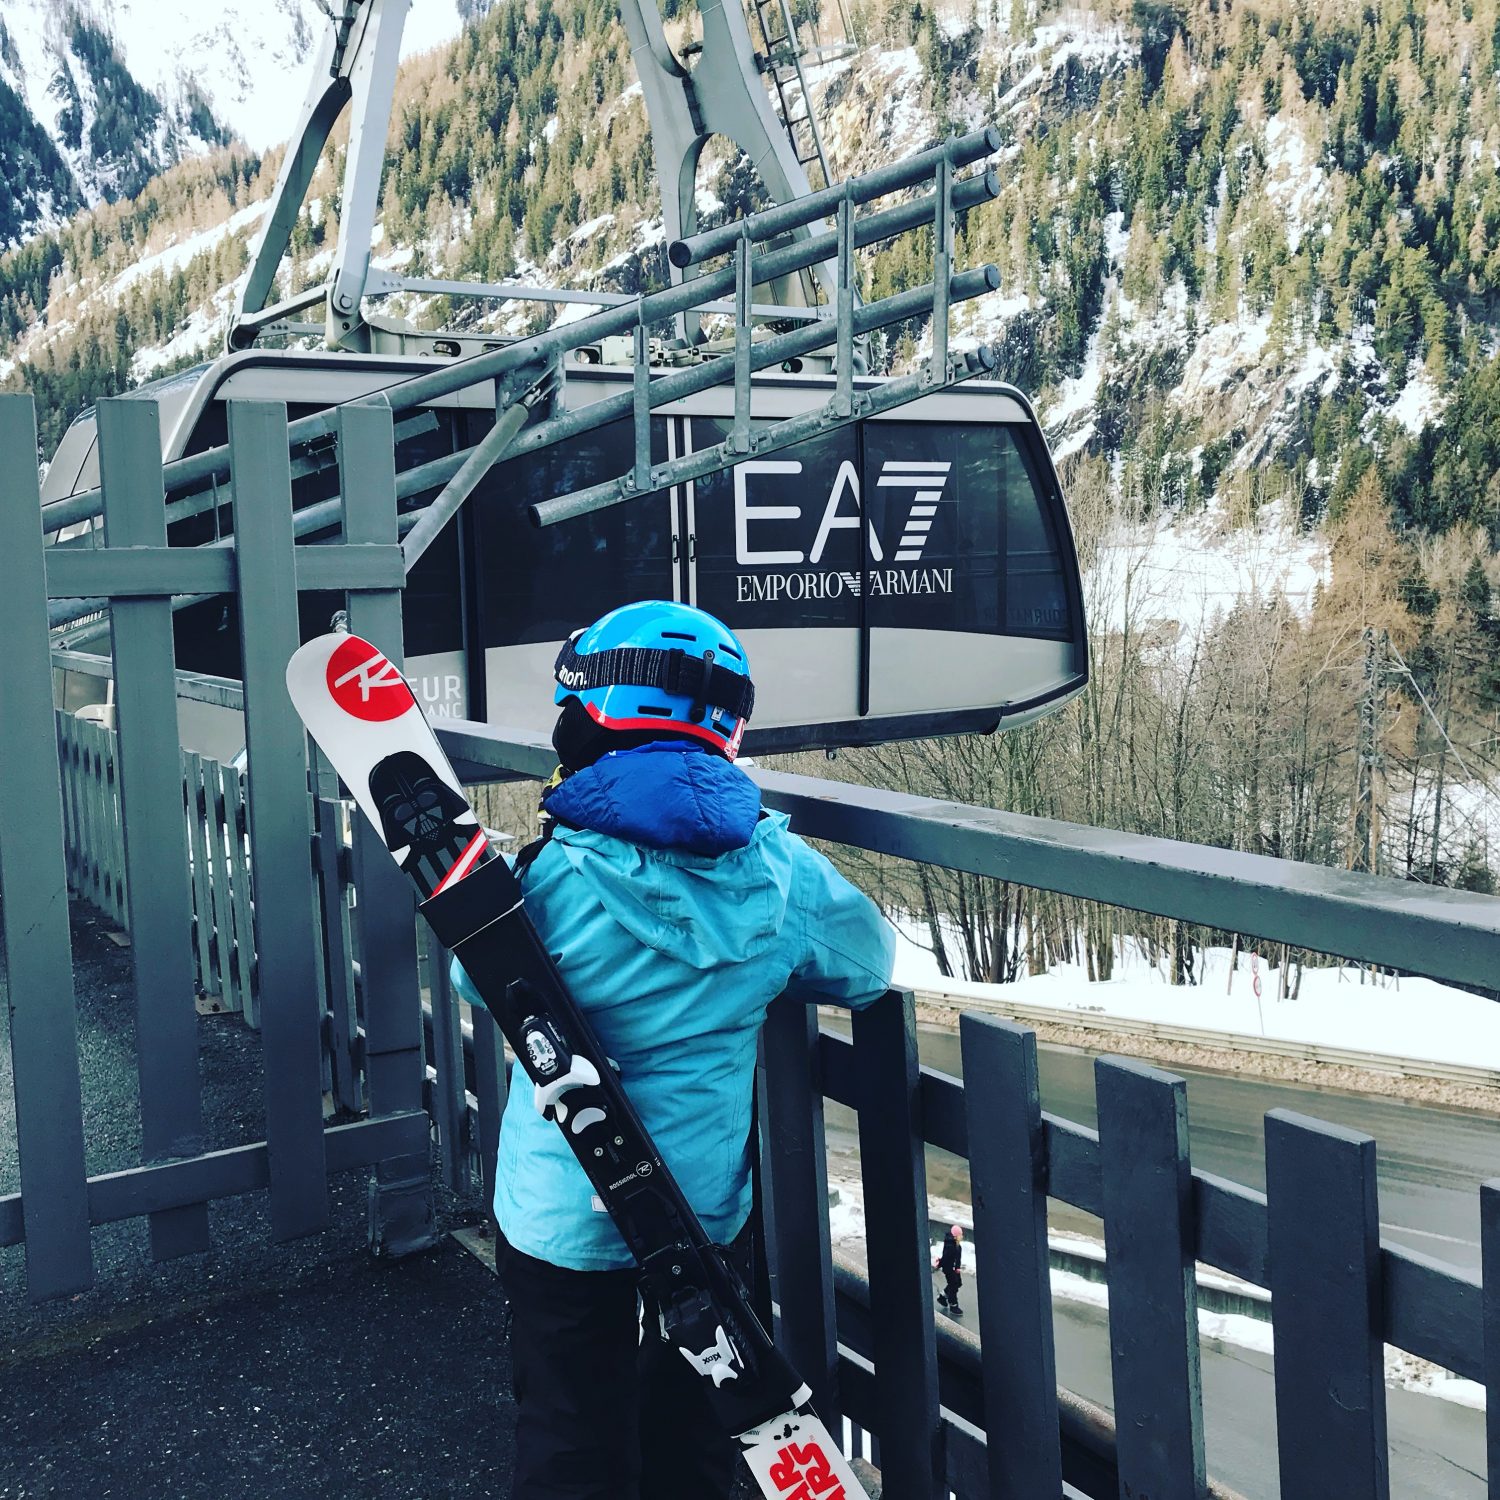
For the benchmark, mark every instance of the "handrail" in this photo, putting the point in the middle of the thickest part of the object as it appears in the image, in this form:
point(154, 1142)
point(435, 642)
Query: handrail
point(957, 151)
point(1436, 931)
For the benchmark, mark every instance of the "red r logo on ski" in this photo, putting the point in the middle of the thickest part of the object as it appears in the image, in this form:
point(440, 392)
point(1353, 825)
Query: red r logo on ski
point(366, 685)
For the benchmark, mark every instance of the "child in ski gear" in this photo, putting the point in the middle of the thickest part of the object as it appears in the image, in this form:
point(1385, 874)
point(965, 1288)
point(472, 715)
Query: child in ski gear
point(679, 909)
point(951, 1264)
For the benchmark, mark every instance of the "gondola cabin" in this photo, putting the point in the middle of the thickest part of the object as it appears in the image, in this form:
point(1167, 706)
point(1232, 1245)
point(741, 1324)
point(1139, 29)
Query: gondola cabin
point(908, 575)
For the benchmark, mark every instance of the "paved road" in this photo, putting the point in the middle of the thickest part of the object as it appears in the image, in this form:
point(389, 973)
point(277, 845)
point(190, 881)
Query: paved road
point(1431, 1162)
point(1436, 1447)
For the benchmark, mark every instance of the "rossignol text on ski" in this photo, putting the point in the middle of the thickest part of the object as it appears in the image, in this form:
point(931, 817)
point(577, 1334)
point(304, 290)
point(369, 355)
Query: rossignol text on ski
point(361, 711)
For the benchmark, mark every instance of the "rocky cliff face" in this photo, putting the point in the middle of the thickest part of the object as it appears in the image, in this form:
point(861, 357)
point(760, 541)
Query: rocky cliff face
point(99, 96)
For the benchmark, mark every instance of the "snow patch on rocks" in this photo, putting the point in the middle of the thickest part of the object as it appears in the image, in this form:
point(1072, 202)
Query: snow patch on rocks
point(1419, 405)
point(1294, 181)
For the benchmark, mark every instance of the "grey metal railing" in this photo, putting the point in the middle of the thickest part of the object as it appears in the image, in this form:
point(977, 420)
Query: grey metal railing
point(129, 786)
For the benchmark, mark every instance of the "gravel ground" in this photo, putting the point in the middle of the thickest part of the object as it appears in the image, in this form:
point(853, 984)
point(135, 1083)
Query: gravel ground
point(1260, 1064)
point(256, 1370)
point(355, 1378)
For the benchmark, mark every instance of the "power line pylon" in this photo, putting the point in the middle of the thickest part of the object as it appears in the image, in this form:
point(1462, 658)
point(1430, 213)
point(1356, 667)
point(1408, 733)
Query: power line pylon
point(1369, 793)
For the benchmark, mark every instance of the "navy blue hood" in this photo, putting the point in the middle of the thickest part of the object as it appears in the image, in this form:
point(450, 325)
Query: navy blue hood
point(667, 795)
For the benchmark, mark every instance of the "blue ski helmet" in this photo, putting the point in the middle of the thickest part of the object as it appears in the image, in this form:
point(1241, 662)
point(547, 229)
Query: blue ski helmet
point(662, 665)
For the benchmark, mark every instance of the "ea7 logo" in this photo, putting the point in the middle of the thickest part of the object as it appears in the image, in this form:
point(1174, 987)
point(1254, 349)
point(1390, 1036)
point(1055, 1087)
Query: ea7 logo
point(841, 511)
point(925, 481)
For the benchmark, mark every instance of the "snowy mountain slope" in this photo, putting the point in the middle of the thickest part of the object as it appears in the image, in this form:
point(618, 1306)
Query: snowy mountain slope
point(62, 74)
point(253, 63)
point(1187, 391)
point(122, 89)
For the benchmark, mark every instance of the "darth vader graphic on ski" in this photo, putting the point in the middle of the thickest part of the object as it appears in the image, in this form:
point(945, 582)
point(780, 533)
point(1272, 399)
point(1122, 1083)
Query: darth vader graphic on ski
point(426, 824)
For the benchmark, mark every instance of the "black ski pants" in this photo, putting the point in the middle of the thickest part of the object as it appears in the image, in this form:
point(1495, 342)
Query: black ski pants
point(603, 1413)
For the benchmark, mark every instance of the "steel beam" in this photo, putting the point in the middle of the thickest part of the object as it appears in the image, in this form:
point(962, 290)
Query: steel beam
point(957, 152)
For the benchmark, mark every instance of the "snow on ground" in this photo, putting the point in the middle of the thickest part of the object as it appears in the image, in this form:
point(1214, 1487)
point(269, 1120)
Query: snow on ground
point(201, 334)
point(883, 111)
point(1076, 397)
point(1082, 34)
point(1419, 403)
point(1188, 569)
point(1225, 352)
point(1470, 810)
point(255, 64)
point(1336, 1007)
point(590, 227)
point(36, 32)
point(1294, 181)
point(176, 256)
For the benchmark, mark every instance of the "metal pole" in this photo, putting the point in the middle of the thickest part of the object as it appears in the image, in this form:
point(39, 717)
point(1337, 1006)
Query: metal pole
point(740, 434)
point(640, 409)
point(490, 449)
point(843, 399)
point(942, 269)
point(959, 151)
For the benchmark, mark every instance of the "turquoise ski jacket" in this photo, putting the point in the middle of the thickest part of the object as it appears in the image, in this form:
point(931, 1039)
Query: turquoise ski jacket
point(680, 910)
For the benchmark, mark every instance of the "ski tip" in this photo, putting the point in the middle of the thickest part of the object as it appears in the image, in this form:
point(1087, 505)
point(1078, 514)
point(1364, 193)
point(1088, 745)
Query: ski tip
point(346, 675)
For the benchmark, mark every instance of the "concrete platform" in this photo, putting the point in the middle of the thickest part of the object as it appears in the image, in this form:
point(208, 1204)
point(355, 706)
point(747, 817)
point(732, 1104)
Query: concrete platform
point(302, 1371)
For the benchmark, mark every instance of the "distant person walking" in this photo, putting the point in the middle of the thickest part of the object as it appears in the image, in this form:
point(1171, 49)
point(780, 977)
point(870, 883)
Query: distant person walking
point(951, 1264)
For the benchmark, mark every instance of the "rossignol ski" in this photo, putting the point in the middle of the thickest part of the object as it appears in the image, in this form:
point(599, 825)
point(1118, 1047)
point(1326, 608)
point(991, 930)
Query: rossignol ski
point(361, 711)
